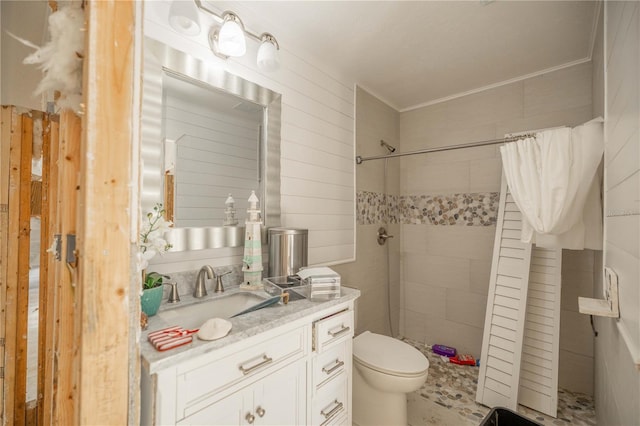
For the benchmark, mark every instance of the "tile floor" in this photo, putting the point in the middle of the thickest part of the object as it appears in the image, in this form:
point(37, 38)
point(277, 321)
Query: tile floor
point(448, 399)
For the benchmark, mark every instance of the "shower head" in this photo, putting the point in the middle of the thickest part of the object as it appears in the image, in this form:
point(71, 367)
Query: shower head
point(386, 145)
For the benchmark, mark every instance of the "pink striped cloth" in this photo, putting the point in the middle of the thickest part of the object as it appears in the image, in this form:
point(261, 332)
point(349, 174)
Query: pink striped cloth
point(170, 337)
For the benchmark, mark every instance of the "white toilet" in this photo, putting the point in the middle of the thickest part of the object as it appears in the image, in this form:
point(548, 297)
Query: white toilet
point(385, 370)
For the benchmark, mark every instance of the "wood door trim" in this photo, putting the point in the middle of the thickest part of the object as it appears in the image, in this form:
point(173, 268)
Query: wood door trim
point(104, 225)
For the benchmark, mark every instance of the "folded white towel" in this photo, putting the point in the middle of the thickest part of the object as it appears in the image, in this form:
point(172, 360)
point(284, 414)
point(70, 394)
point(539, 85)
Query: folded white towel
point(316, 271)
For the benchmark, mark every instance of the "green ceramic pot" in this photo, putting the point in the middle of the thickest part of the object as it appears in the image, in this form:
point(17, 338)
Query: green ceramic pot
point(150, 300)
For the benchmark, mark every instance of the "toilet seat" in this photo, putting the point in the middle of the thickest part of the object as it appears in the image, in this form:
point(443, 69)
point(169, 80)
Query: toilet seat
point(388, 355)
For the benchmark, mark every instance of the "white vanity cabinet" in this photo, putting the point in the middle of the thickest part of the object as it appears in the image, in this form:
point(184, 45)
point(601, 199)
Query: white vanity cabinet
point(278, 399)
point(295, 373)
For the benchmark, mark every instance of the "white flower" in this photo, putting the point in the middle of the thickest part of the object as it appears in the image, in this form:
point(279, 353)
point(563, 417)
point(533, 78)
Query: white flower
point(152, 231)
point(142, 262)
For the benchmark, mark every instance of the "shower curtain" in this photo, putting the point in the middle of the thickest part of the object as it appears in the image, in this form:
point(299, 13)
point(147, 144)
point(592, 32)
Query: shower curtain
point(553, 178)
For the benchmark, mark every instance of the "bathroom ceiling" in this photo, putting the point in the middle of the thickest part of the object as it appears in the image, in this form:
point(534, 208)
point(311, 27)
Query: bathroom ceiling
point(411, 53)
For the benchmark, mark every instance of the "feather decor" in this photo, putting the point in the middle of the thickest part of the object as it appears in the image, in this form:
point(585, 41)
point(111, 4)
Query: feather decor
point(61, 58)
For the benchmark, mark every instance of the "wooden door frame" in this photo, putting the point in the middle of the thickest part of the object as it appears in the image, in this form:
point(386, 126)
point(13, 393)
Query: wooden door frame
point(9, 230)
point(91, 341)
point(106, 236)
point(15, 187)
point(15, 160)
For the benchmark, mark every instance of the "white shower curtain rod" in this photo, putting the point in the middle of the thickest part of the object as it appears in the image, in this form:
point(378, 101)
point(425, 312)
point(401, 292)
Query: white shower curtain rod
point(360, 159)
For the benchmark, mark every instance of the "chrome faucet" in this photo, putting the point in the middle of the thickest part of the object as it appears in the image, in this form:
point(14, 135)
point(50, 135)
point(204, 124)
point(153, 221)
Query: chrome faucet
point(201, 290)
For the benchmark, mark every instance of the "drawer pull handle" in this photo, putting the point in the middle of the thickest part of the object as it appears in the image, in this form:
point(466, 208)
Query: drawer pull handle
point(265, 360)
point(337, 408)
point(343, 330)
point(261, 411)
point(250, 418)
point(337, 365)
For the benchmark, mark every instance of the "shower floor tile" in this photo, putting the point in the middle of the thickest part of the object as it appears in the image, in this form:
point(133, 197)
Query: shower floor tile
point(448, 399)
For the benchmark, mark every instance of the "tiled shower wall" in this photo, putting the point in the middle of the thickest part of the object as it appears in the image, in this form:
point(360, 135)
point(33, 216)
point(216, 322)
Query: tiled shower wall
point(446, 210)
point(442, 207)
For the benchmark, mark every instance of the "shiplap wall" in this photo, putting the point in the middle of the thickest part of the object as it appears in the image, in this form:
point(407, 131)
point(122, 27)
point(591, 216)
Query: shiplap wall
point(618, 343)
point(317, 151)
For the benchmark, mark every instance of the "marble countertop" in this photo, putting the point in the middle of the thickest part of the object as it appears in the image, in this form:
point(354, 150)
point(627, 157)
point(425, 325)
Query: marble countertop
point(243, 326)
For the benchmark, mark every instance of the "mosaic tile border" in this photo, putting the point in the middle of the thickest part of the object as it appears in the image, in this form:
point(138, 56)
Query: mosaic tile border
point(474, 209)
point(371, 208)
point(464, 209)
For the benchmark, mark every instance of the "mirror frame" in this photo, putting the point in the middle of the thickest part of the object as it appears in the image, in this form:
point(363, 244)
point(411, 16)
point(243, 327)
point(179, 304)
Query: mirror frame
point(160, 58)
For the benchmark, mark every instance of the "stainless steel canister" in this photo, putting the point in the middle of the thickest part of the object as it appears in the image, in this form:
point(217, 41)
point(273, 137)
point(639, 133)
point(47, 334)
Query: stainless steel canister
point(288, 249)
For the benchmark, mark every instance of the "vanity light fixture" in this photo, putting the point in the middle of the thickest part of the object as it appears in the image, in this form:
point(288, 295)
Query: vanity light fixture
point(184, 17)
point(268, 53)
point(228, 39)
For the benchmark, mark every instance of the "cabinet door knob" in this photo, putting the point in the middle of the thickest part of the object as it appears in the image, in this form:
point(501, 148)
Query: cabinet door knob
point(261, 411)
point(250, 418)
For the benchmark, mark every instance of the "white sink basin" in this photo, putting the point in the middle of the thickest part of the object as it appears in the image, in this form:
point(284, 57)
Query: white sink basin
point(193, 316)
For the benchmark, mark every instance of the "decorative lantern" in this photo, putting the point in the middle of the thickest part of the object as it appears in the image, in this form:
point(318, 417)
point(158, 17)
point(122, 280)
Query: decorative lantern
point(230, 212)
point(252, 261)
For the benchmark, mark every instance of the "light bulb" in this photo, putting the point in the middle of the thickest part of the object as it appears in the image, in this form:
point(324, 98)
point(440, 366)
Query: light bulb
point(268, 55)
point(231, 40)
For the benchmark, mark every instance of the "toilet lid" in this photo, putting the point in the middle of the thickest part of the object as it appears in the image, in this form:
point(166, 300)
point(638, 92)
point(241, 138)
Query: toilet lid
point(388, 355)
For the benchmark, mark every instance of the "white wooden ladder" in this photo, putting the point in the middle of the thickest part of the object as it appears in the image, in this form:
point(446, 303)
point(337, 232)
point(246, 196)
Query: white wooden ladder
point(520, 346)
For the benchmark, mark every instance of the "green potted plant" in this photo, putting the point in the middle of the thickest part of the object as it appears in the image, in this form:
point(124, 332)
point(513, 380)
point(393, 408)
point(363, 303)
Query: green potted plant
point(152, 242)
point(151, 293)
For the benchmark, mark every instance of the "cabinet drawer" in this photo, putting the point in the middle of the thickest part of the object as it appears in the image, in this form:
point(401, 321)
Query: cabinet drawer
point(329, 364)
point(197, 387)
point(331, 403)
point(331, 330)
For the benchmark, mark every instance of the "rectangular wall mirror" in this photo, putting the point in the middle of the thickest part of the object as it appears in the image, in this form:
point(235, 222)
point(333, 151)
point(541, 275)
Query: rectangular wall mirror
point(212, 143)
point(206, 134)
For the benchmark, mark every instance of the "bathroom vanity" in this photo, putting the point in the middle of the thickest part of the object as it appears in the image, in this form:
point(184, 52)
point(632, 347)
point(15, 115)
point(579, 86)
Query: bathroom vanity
point(285, 365)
